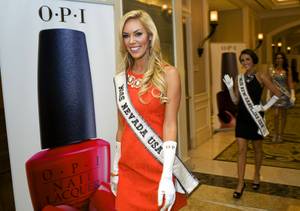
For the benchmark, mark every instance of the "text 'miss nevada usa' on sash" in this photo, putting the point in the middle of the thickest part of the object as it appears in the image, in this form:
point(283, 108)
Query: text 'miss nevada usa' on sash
point(185, 182)
point(263, 130)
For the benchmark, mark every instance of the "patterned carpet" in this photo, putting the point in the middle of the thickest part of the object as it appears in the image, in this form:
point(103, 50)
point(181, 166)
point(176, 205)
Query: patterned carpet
point(285, 154)
point(265, 188)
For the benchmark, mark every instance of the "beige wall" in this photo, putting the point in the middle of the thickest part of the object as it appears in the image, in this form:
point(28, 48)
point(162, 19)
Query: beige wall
point(236, 26)
point(240, 26)
point(197, 34)
point(268, 25)
point(230, 28)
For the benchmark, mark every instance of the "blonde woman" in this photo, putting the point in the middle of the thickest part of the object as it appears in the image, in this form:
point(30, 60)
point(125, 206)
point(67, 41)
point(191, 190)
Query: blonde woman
point(139, 180)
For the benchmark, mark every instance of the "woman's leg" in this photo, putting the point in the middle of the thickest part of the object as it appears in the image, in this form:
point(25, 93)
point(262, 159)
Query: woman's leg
point(283, 123)
point(276, 124)
point(241, 163)
point(258, 153)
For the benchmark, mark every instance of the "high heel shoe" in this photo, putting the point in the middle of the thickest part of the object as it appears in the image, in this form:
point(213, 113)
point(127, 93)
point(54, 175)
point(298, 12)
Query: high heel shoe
point(279, 139)
point(238, 195)
point(255, 186)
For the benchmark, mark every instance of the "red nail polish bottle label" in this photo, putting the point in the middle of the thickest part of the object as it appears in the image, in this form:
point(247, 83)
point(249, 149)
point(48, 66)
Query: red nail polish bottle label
point(68, 175)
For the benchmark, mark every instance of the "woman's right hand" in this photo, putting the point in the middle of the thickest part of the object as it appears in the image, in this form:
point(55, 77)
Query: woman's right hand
point(228, 81)
point(114, 179)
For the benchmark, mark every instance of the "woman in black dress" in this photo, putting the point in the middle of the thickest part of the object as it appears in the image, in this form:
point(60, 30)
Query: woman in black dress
point(246, 127)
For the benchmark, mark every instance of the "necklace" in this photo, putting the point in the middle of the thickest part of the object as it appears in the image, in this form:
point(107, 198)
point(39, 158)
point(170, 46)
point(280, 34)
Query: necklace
point(279, 72)
point(249, 77)
point(134, 82)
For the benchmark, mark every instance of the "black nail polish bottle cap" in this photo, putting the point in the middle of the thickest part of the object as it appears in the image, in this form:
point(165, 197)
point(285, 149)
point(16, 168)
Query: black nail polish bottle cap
point(65, 96)
point(229, 66)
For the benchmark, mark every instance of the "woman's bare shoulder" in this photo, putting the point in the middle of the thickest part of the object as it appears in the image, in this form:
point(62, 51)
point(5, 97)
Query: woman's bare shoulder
point(171, 75)
point(263, 77)
point(264, 74)
point(170, 70)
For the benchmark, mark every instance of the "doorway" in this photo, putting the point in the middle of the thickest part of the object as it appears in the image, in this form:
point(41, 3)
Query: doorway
point(188, 75)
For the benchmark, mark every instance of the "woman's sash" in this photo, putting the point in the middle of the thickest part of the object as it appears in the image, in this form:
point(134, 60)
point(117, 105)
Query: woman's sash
point(185, 182)
point(282, 89)
point(263, 130)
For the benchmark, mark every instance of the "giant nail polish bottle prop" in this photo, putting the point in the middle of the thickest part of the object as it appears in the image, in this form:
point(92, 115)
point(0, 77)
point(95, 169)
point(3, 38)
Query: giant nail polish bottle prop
point(72, 163)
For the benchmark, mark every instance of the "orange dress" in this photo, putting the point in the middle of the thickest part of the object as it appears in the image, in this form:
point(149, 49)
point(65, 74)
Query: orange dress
point(139, 171)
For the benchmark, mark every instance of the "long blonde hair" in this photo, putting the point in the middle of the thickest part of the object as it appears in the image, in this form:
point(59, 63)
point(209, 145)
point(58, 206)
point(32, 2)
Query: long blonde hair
point(155, 70)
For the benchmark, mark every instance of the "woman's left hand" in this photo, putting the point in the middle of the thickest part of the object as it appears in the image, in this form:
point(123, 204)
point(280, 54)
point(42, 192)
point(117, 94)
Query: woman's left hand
point(166, 188)
point(293, 97)
point(167, 191)
point(258, 108)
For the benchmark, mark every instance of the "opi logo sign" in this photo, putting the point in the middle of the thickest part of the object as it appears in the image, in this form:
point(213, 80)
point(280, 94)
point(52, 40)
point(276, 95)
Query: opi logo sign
point(61, 14)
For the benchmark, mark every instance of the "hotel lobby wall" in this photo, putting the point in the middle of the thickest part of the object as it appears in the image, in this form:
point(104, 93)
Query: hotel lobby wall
point(200, 67)
point(237, 26)
point(230, 27)
point(271, 24)
point(198, 34)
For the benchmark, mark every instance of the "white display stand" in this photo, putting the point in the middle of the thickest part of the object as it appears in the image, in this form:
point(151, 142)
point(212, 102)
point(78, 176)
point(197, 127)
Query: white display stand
point(20, 24)
point(216, 56)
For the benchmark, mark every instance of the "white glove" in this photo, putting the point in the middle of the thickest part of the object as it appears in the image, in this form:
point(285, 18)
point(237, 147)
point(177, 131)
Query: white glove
point(293, 97)
point(166, 186)
point(114, 179)
point(258, 108)
point(229, 83)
